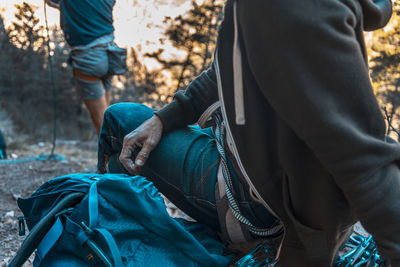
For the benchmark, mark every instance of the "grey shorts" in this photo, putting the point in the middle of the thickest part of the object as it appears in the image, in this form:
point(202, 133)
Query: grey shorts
point(89, 90)
point(95, 68)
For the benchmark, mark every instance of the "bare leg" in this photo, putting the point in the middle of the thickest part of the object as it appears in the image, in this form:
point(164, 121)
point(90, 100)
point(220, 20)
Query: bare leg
point(107, 83)
point(96, 109)
point(95, 106)
point(108, 97)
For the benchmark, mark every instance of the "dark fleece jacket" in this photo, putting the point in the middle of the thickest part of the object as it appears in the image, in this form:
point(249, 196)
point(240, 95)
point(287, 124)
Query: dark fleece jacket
point(313, 143)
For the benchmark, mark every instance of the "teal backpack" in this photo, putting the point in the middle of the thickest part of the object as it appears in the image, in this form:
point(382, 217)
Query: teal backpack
point(111, 220)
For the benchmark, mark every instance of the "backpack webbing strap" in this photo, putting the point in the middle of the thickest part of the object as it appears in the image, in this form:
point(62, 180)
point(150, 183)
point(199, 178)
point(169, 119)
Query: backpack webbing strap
point(36, 235)
point(93, 205)
point(49, 240)
point(112, 245)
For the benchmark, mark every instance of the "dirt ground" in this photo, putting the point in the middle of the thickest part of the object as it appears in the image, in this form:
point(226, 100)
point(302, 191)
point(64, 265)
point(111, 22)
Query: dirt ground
point(21, 179)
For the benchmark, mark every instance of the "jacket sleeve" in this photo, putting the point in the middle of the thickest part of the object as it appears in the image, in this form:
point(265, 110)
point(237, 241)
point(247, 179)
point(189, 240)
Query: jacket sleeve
point(376, 13)
point(187, 106)
point(311, 67)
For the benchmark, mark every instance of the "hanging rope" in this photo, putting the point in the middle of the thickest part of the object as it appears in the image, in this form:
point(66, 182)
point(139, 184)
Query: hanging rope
point(42, 157)
point(360, 251)
point(53, 85)
point(220, 137)
point(52, 155)
point(260, 256)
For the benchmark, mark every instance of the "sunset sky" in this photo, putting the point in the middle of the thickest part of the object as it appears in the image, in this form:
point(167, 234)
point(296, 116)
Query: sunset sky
point(138, 23)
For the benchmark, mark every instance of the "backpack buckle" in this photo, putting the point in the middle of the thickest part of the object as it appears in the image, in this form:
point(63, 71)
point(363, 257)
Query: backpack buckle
point(21, 226)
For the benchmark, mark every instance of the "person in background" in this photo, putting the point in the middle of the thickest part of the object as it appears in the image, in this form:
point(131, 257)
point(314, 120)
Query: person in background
point(95, 58)
point(298, 140)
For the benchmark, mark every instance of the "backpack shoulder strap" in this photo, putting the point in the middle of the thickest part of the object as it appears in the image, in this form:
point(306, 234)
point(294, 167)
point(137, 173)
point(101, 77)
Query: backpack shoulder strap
point(41, 229)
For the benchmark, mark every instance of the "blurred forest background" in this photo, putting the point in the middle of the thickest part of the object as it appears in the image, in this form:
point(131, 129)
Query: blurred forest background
point(25, 86)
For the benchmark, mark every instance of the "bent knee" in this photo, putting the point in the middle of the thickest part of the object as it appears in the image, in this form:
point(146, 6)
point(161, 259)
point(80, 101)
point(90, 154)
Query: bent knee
point(127, 115)
point(118, 110)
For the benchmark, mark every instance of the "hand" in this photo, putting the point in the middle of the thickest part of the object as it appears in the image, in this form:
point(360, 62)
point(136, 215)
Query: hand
point(146, 137)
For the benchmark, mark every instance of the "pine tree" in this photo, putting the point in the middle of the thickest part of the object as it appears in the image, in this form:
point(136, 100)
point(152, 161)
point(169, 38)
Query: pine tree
point(194, 34)
point(25, 32)
point(385, 66)
point(5, 48)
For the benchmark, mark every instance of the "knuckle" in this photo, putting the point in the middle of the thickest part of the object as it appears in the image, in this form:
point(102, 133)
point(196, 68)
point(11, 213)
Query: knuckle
point(143, 156)
point(126, 139)
point(151, 142)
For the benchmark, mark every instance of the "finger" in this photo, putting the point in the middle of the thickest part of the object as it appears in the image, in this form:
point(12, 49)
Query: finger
point(126, 157)
point(141, 158)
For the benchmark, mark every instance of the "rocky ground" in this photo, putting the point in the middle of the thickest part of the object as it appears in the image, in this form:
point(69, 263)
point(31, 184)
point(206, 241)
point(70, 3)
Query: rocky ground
point(20, 179)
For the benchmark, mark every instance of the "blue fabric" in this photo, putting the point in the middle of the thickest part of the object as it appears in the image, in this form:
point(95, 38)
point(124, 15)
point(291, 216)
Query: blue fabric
point(134, 213)
point(86, 20)
point(49, 194)
point(82, 237)
point(183, 166)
